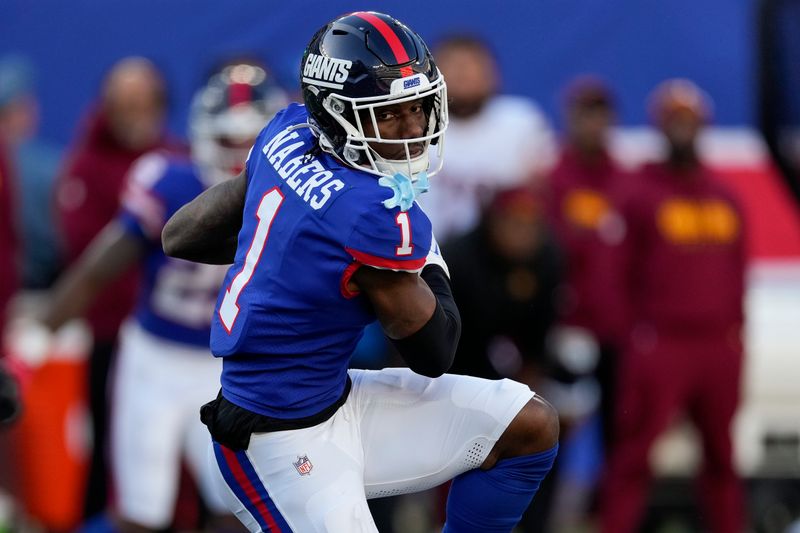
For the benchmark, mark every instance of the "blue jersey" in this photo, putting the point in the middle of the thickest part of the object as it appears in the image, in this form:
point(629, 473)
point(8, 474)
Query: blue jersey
point(285, 321)
point(176, 297)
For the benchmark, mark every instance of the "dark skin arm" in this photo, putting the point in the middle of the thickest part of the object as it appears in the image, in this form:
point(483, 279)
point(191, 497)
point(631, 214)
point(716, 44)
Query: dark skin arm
point(206, 229)
point(109, 255)
point(402, 301)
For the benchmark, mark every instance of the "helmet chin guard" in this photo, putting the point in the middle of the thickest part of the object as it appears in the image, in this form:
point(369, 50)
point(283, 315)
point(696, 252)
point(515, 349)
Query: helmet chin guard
point(357, 150)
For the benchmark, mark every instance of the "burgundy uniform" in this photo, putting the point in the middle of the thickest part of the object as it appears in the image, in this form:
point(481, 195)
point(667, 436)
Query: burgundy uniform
point(87, 198)
point(685, 268)
point(585, 216)
point(88, 193)
point(9, 245)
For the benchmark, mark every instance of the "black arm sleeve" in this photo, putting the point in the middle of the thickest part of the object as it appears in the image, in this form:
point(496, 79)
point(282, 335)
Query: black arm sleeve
point(430, 351)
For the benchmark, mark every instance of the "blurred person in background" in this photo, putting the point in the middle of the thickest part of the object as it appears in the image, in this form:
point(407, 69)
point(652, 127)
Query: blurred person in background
point(11, 83)
point(505, 273)
point(684, 273)
point(494, 141)
point(584, 189)
point(582, 192)
point(9, 237)
point(128, 122)
point(36, 164)
point(164, 371)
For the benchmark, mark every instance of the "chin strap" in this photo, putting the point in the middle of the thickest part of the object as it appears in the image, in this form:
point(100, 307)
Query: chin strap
point(404, 189)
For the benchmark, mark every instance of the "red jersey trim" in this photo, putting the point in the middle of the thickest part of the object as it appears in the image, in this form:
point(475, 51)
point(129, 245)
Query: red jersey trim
point(411, 265)
point(346, 276)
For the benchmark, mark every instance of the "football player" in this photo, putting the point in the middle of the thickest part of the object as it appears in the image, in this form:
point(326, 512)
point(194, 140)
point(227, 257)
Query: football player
point(163, 370)
point(326, 237)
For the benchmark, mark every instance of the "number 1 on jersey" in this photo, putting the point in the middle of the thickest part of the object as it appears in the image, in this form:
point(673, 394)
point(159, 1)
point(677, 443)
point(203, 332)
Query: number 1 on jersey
point(405, 248)
point(267, 209)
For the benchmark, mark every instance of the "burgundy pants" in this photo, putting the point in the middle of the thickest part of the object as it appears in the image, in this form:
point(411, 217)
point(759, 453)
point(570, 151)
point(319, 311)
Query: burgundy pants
point(660, 379)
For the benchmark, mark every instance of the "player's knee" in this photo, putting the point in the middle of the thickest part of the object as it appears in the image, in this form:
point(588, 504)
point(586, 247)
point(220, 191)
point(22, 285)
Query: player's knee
point(544, 424)
point(534, 429)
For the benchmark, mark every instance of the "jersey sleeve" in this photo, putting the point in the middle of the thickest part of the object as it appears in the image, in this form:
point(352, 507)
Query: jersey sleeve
point(250, 161)
point(143, 210)
point(391, 239)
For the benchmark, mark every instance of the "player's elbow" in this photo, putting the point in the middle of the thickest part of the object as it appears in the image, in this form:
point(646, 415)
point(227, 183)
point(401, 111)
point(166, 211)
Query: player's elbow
point(169, 243)
point(171, 239)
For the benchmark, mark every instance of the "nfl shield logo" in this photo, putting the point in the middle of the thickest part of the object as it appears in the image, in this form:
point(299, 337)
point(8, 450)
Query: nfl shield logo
point(303, 465)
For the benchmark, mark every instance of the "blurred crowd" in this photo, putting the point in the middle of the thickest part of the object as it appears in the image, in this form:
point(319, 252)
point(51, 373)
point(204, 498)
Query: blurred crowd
point(615, 292)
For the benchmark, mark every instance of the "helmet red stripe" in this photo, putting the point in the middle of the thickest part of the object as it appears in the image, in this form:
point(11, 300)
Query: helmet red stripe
point(240, 93)
point(388, 33)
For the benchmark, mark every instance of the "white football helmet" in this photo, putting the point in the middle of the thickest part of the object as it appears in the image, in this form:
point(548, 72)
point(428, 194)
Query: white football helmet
point(227, 115)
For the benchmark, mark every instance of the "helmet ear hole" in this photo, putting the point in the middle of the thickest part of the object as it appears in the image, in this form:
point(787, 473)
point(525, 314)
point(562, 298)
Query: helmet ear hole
point(352, 155)
point(337, 105)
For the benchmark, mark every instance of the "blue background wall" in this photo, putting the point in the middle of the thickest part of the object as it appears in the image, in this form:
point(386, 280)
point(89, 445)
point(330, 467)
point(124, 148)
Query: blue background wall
point(540, 44)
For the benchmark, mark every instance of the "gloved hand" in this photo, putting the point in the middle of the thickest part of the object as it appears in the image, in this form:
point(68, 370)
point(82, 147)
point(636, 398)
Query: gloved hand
point(404, 190)
point(435, 256)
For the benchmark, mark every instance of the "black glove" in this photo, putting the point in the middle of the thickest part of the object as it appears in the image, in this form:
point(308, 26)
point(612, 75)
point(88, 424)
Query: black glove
point(9, 398)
